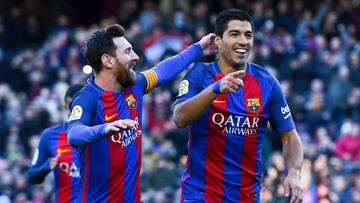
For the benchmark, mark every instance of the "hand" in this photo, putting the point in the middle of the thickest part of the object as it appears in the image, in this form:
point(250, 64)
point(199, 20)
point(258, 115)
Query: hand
point(232, 81)
point(116, 126)
point(54, 161)
point(292, 182)
point(207, 44)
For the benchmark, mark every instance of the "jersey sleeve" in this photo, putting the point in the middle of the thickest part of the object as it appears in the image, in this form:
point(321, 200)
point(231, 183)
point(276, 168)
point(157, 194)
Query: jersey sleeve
point(79, 125)
point(190, 85)
point(41, 160)
point(168, 69)
point(280, 115)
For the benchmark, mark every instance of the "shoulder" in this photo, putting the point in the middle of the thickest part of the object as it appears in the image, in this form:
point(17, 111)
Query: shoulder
point(87, 96)
point(53, 130)
point(262, 74)
point(199, 69)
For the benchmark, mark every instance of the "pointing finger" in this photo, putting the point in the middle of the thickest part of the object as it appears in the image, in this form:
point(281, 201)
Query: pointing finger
point(238, 74)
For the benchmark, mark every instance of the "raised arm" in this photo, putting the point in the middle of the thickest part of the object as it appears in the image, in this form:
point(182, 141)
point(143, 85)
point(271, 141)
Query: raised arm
point(168, 69)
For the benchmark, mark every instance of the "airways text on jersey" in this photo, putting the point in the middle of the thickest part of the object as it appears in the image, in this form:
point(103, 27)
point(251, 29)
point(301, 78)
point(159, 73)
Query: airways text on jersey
point(126, 137)
point(236, 124)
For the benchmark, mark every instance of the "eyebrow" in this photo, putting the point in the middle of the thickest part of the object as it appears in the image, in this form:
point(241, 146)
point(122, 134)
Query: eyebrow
point(247, 31)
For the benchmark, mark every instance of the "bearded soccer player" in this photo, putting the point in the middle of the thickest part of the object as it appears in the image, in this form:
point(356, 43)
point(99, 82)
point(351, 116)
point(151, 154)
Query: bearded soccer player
point(227, 105)
point(105, 123)
point(56, 154)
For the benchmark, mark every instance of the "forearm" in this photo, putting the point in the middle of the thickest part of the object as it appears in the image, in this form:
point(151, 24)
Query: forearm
point(293, 152)
point(171, 67)
point(36, 175)
point(192, 109)
point(79, 135)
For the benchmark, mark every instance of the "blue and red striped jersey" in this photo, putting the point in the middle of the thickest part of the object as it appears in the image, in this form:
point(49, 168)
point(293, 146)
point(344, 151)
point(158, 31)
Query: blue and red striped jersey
point(110, 167)
point(224, 148)
point(53, 141)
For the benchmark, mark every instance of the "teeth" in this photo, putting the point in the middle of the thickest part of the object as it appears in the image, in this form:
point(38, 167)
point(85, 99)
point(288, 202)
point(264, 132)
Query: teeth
point(242, 51)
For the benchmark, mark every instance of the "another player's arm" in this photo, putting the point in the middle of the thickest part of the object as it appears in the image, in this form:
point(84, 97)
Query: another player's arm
point(168, 69)
point(293, 155)
point(192, 109)
point(41, 161)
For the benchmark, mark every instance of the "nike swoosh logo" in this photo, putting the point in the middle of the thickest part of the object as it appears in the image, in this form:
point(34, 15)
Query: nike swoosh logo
point(107, 118)
point(218, 101)
point(60, 151)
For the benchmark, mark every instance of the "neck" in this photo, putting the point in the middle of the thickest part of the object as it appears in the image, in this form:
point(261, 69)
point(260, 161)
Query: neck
point(107, 82)
point(227, 68)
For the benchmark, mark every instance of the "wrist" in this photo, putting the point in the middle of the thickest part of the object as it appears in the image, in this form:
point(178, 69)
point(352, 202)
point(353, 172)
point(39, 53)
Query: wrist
point(294, 172)
point(199, 48)
point(216, 87)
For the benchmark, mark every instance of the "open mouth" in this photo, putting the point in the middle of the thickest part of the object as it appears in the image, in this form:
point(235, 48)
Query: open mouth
point(132, 65)
point(240, 51)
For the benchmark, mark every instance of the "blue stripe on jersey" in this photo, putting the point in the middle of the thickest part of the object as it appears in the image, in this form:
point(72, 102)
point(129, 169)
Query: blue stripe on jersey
point(98, 162)
point(197, 159)
point(74, 186)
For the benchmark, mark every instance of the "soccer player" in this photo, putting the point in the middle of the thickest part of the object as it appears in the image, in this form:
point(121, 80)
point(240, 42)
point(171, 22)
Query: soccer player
point(227, 105)
point(56, 154)
point(105, 123)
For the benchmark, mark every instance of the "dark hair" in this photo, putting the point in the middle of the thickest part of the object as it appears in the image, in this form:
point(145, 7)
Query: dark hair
point(222, 20)
point(101, 42)
point(72, 90)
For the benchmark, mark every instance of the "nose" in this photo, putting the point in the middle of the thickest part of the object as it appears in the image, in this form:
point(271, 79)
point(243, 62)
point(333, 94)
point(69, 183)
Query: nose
point(134, 57)
point(243, 40)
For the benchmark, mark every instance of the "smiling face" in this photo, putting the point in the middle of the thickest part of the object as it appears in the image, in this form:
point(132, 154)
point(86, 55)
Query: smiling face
point(124, 62)
point(235, 44)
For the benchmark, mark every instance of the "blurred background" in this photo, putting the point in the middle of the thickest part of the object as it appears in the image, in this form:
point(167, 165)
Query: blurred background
point(312, 47)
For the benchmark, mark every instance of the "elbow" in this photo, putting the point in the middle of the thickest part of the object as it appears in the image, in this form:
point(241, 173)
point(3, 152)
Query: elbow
point(179, 122)
point(33, 180)
point(72, 141)
point(71, 137)
point(179, 117)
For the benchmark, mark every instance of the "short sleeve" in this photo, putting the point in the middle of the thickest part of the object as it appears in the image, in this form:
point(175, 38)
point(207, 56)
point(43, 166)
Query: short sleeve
point(280, 115)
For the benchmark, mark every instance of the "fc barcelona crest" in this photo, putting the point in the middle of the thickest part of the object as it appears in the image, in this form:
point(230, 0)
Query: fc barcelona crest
point(253, 104)
point(131, 101)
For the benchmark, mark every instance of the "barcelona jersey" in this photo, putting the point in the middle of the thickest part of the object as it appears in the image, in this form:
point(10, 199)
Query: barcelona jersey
point(110, 167)
point(224, 148)
point(110, 164)
point(53, 142)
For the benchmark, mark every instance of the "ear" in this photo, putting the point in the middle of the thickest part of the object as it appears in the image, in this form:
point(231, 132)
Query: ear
point(217, 41)
point(106, 60)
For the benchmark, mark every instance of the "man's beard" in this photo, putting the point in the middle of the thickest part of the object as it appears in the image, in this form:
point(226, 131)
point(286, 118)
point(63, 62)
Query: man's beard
point(126, 81)
point(127, 77)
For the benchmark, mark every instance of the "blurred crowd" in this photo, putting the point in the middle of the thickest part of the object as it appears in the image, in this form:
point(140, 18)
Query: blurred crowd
point(313, 48)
